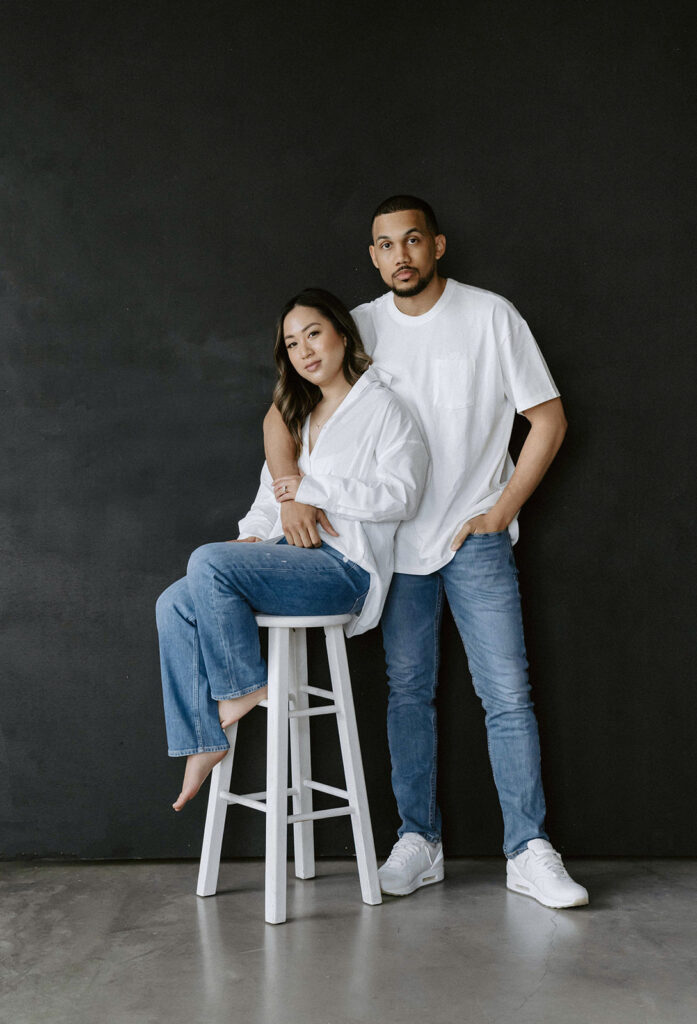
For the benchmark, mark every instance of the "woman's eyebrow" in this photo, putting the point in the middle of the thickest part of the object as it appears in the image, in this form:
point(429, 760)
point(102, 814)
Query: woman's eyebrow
point(314, 323)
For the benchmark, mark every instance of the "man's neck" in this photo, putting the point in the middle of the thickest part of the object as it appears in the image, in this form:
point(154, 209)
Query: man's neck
point(417, 305)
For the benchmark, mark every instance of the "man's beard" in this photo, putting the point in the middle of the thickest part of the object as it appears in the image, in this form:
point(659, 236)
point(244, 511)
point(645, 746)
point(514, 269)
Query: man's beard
point(415, 289)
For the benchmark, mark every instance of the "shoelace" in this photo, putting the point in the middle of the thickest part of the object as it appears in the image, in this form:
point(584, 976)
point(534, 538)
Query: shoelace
point(552, 860)
point(402, 851)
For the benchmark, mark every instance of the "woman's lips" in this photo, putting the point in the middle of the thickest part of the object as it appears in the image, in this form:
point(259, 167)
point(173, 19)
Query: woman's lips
point(311, 367)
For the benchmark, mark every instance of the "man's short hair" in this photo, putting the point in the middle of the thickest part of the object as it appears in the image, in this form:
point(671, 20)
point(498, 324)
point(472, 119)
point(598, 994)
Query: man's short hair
point(396, 204)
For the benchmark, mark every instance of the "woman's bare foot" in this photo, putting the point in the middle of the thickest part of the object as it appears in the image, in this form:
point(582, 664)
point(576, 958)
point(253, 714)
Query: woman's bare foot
point(230, 711)
point(198, 768)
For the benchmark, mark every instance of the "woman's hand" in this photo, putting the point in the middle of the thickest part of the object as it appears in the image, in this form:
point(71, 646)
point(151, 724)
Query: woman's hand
point(286, 487)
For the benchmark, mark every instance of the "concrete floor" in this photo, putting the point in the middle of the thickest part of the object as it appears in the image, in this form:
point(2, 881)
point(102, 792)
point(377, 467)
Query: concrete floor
point(132, 944)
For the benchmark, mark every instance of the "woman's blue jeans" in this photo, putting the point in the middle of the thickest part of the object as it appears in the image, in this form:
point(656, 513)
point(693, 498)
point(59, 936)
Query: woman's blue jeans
point(481, 585)
point(209, 639)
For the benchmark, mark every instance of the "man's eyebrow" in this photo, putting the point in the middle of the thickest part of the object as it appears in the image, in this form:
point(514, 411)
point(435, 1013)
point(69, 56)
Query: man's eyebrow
point(411, 231)
point(314, 323)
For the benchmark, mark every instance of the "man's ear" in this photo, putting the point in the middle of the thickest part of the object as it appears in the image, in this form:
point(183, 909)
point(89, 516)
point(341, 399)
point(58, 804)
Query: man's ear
point(440, 246)
point(371, 250)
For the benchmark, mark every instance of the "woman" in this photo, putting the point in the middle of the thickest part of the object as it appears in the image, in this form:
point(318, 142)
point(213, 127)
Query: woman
point(363, 461)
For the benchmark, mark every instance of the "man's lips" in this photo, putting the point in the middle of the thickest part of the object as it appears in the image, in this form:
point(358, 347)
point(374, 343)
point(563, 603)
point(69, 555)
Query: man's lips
point(404, 274)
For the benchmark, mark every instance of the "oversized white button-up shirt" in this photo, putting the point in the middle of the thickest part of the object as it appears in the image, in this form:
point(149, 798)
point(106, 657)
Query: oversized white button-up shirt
point(367, 470)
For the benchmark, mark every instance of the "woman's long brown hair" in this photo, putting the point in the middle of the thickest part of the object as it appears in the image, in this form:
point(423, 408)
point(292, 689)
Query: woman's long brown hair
point(295, 397)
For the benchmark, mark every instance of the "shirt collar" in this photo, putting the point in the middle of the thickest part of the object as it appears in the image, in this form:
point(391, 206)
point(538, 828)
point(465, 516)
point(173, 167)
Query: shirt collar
point(373, 377)
point(418, 321)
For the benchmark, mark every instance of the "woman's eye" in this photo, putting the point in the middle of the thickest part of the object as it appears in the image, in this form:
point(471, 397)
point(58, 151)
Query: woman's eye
point(290, 344)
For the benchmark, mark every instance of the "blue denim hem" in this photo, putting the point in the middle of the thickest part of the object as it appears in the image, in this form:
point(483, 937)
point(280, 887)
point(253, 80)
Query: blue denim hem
point(523, 848)
point(430, 837)
point(240, 693)
point(197, 750)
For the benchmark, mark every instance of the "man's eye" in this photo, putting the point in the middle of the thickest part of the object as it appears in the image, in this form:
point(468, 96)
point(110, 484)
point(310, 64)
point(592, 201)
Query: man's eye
point(414, 239)
point(385, 245)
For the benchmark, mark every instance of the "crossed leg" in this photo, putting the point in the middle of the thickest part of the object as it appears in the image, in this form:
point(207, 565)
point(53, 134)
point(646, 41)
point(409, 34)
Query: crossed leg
point(209, 641)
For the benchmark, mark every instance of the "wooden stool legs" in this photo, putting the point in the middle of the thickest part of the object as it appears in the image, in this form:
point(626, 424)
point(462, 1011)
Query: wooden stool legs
point(353, 765)
point(289, 709)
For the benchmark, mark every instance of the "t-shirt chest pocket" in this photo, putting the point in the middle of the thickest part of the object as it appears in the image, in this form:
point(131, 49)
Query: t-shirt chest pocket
point(453, 381)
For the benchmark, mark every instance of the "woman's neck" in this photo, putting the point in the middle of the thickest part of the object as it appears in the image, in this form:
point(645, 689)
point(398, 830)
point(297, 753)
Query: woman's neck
point(331, 399)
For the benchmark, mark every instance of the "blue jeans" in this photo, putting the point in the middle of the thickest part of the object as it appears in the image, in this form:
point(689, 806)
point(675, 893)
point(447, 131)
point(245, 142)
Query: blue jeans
point(209, 640)
point(481, 585)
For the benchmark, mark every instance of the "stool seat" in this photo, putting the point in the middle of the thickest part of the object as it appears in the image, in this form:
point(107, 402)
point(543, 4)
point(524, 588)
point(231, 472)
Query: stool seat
point(289, 710)
point(302, 621)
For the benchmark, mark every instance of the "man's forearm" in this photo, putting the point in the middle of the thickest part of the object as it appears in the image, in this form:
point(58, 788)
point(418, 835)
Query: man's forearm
point(278, 446)
point(547, 430)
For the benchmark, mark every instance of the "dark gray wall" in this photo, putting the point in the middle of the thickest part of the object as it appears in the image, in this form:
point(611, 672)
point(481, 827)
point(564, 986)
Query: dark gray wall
point(169, 174)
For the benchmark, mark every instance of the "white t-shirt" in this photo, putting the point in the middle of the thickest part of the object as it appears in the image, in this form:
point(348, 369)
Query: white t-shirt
point(367, 470)
point(463, 369)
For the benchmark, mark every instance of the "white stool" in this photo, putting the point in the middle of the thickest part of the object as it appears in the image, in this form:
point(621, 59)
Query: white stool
point(288, 685)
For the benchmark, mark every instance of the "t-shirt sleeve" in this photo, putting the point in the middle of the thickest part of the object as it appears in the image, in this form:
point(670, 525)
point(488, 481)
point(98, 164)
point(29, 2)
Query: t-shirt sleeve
point(363, 320)
point(527, 380)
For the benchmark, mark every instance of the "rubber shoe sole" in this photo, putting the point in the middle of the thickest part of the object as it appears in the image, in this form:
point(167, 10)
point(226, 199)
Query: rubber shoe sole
point(436, 873)
point(527, 889)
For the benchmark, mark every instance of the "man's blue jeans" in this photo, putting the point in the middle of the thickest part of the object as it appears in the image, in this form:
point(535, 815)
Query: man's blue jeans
point(481, 585)
point(209, 640)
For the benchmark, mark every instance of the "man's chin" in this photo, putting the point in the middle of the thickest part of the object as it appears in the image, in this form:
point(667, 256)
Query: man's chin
point(410, 290)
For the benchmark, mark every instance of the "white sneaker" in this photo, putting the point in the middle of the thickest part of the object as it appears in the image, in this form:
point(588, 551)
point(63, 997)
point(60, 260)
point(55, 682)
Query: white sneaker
point(413, 862)
point(540, 873)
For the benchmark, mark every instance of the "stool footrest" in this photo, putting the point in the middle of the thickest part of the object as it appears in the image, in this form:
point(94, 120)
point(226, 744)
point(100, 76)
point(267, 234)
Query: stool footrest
point(254, 800)
point(317, 692)
point(260, 805)
point(327, 709)
point(245, 801)
point(265, 702)
point(331, 812)
point(321, 787)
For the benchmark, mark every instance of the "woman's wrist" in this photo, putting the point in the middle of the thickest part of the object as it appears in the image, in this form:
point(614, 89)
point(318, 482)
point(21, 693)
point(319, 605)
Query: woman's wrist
point(285, 488)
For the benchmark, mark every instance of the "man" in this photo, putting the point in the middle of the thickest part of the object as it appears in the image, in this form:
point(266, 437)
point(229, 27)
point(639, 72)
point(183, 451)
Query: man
point(464, 361)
